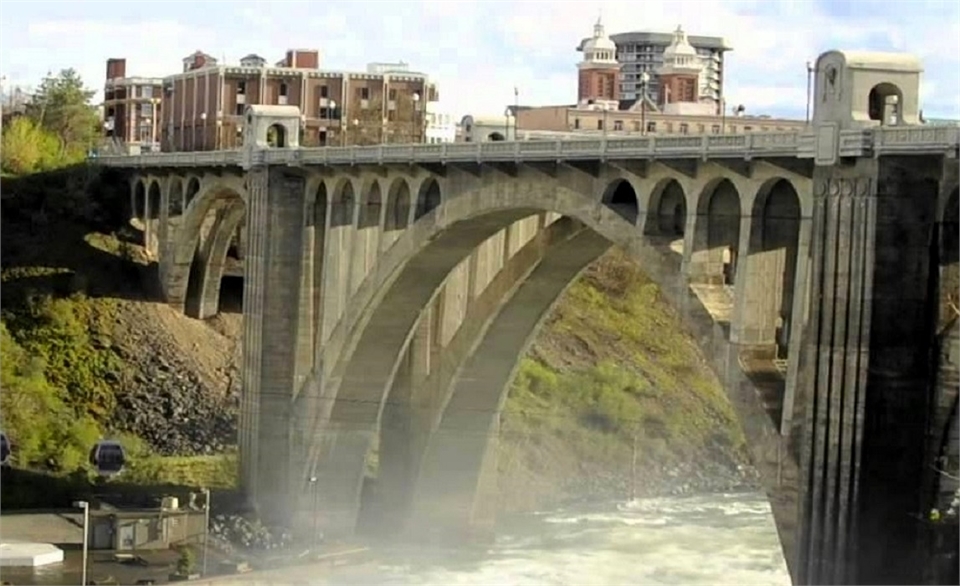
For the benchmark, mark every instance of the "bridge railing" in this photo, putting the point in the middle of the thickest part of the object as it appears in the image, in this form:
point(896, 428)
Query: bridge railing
point(853, 143)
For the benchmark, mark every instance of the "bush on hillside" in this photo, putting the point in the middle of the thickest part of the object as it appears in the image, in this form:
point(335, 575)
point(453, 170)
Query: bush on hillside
point(27, 148)
point(45, 430)
point(77, 359)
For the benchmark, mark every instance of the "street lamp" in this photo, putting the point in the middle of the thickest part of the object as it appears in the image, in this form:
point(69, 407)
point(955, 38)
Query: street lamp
point(356, 130)
point(206, 526)
point(203, 131)
point(506, 124)
point(644, 80)
point(416, 108)
point(86, 531)
point(809, 78)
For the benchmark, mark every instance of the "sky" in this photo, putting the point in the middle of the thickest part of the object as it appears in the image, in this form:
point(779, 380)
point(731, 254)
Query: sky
point(478, 51)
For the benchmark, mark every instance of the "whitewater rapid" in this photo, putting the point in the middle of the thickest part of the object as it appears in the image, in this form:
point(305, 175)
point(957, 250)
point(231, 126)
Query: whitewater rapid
point(705, 539)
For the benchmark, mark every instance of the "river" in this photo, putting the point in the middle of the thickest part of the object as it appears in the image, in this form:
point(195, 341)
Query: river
point(705, 539)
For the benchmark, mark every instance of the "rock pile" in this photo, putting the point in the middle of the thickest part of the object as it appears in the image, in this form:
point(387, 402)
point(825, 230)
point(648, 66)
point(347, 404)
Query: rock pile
point(172, 409)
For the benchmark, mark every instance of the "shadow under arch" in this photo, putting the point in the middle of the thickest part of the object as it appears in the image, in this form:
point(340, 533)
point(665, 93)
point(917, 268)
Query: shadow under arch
point(716, 237)
point(175, 197)
point(191, 190)
point(398, 205)
point(621, 197)
point(411, 273)
point(342, 204)
point(667, 215)
point(138, 205)
point(429, 198)
point(371, 205)
point(772, 263)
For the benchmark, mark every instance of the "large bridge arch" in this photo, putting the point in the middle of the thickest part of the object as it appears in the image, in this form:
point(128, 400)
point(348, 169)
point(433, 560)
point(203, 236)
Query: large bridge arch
point(715, 241)
point(409, 275)
point(203, 238)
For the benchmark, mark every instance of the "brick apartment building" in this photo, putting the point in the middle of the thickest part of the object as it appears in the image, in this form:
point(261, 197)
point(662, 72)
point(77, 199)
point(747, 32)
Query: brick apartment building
point(132, 108)
point(203, 105)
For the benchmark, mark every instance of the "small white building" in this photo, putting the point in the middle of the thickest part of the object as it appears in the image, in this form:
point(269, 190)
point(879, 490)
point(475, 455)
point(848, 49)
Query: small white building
point(487, 128)
point(440, 125)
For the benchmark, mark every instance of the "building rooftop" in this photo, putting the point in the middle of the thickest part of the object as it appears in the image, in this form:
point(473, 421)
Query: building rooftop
point(664, 39)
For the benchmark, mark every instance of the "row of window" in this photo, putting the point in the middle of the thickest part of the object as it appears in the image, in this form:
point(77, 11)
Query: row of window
point(362, 93)
point(683, 128)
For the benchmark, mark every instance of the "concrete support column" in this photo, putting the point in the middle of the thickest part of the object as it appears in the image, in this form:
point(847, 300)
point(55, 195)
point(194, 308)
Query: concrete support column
point(271, 307)
point(404, 429)
point(865, 367)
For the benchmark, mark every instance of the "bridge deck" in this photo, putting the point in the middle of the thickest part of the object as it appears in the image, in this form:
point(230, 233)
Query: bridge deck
point(852, 143)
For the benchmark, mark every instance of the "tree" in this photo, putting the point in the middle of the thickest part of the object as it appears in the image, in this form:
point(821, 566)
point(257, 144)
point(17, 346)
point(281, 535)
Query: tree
point(27, 148)
point(62, 106)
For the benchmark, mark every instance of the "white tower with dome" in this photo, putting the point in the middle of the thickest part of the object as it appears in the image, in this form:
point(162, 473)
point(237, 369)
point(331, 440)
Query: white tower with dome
point(599, 83)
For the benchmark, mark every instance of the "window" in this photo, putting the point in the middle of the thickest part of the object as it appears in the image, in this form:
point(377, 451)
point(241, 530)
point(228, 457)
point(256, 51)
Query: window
point(324, 91)
point(684, 128)
point(146, 91)
point(618, 124)
point(241, 87)
point(146, 110)
point(599, 124)
point(324, 113)
point(392, 94)
point(363, 93)
point(322, 137)
point(283, 90)
point(239, 110)
point(651, 126)
point(715, 129)
point(747, 128)
point(576, 123)
point(144, 133)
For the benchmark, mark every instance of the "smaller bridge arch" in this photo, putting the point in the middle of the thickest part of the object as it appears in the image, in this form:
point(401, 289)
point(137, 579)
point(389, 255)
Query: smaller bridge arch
point(175, 197)
point(716, 238)
point(621, 197)
point(667, 215)
point(371, 206)
point(429, 197)
point(191, 191)
point(398, 205)
point(343, 205)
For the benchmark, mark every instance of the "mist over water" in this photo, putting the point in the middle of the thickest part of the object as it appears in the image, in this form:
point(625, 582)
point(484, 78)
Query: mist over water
point(704, 539)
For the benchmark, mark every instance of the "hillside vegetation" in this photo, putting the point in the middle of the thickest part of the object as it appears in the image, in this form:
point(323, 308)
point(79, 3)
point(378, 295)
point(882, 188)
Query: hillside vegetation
point(87, 350)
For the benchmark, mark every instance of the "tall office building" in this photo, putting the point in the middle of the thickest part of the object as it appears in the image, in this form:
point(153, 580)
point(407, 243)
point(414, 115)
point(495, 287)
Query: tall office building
point(642, 52)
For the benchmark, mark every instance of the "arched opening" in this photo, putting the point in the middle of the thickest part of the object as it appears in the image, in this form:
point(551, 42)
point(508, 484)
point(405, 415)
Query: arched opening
point(495, 137)
point(428, 199)
point(622, 198)
point(152, 208)
point(215, 278)
point(139, 202)
point(885, 103)
point(318, 219)
point(193, 187)
point(372, 205)
point(175, 199)
point(720, 212)
point(671, 211)
point(398, 206)
point(199, 256)
point(772, 265)
point(344, 203)
point(277, 136)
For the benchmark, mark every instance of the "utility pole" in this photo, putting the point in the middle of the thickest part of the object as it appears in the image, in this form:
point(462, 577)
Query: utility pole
point(809, 79)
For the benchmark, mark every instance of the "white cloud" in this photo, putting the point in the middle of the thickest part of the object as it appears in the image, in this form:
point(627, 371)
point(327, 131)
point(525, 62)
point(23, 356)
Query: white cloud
point(479, 50)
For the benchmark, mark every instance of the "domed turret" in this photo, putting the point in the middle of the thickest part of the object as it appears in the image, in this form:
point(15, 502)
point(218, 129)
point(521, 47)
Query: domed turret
point(680, 56)
point(599, 48)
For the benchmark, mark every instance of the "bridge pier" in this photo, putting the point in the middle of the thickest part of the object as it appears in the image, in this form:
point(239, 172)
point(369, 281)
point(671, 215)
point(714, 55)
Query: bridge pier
point(272, 309)
point(867, 374)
